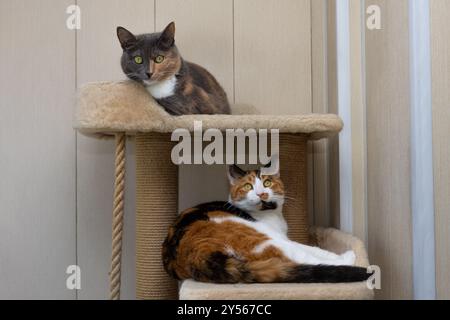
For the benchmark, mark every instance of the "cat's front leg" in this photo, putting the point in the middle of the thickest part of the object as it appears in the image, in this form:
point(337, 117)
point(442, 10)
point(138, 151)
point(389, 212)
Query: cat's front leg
point(316, 255)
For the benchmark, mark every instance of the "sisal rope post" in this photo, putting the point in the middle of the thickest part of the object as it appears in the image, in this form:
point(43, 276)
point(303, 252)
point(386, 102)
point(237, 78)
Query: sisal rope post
point(156, 210)
point(293, 172)
point(117, 223)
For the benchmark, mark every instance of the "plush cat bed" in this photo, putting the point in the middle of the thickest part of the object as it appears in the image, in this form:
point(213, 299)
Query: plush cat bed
point(330, 239)
point(125, 106)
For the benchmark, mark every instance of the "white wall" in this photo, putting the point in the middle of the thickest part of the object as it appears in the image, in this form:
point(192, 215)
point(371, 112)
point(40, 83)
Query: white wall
point(37, 149)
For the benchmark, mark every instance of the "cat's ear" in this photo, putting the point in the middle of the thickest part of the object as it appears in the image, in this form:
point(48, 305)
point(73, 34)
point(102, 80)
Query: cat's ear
point(126, 38)
point(167, 38)
point(235, 173)
point(273, 167)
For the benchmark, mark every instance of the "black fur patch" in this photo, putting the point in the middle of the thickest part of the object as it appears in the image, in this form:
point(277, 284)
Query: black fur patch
point(327, 274)
point(215, 270)
point(170, 245)
point(225, 207)
point(268, 206)
point(216, 264)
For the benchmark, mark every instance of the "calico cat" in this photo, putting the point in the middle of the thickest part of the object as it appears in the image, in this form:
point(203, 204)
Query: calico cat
point(245, 240)
point(181, 87)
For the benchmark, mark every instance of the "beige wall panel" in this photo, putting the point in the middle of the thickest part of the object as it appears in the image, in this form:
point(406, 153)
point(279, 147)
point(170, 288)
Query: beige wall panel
point(37, 146)
point(440, 50)
point(320, 191)
point(333, 143)
point(204, 36)
point(388, 145)
point(98, 57)
point(273, 55)
point(272, 51)
point(359, 192)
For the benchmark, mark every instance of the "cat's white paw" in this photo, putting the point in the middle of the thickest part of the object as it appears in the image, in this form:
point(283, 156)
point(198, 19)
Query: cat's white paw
point(349, 257)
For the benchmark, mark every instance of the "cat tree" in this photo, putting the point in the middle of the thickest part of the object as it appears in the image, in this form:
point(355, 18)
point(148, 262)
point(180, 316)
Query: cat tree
point(121, 109)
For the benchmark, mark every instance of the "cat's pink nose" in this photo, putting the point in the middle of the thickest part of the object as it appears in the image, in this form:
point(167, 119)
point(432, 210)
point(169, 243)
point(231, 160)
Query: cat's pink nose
point(263, 195)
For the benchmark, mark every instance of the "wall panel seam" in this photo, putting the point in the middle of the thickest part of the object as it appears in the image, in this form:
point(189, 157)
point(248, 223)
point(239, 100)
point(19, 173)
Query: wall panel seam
point(76, 154)
point(313, 182)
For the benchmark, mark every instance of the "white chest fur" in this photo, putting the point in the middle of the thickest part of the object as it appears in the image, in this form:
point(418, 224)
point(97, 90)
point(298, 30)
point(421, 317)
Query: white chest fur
point(273, 220)
point(162, 89)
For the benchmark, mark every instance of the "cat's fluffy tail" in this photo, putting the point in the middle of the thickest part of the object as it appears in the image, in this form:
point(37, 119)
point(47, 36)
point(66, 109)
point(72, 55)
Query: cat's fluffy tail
point(228, 269)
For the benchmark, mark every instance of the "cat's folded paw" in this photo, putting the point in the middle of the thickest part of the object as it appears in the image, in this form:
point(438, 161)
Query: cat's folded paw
point(349, 257)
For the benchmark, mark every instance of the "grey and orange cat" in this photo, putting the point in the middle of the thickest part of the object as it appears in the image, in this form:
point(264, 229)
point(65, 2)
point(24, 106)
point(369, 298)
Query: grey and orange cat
point(181, 87)
point(245, 240)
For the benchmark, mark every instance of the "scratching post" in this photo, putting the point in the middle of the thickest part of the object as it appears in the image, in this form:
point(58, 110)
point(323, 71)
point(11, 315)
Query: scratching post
point(156, 209)
point(293, 171)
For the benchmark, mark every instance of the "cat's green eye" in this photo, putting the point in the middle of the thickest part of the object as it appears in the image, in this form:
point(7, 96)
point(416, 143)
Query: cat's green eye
point(248, 187)
point(159, 59)
point(138, 59)
point(267, 183)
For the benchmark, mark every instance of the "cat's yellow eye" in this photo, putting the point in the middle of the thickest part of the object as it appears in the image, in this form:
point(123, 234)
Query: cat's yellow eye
point(267, 183)
point(159, 59)
point(138, 59)
point(248, 187)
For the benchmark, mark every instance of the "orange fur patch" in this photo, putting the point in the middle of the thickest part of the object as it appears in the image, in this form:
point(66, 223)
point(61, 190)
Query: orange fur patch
point(277, 185)
point(164, 70)
point(238, 192)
